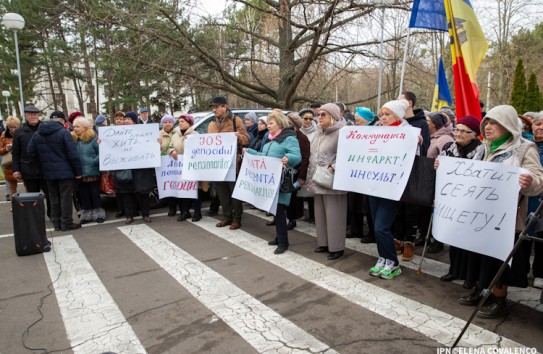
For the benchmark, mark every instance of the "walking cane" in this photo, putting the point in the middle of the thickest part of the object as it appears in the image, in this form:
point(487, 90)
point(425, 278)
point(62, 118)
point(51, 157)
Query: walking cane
point(419, 270)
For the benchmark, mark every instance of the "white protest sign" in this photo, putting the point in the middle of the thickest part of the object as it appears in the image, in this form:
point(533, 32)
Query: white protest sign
point(475, 206)
point(210, 157)
point(169, 179)
point(375, 161)
point(129, 147)
point(258, 181)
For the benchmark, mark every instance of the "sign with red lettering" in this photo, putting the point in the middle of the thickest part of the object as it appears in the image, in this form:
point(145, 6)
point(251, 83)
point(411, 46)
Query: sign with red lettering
point(375, 161)
point(475, 206)
point(170, 182)
point(210, 157)
point(258, 181)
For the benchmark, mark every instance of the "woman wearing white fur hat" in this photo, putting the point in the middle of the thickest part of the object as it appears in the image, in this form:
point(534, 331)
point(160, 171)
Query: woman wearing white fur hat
point(383, 211)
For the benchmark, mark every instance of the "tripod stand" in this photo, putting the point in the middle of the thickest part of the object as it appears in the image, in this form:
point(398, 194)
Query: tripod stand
point(532, 219)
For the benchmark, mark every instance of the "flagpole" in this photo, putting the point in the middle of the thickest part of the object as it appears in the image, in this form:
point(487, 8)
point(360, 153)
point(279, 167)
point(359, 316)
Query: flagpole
point(382, 4)
point(404, 60)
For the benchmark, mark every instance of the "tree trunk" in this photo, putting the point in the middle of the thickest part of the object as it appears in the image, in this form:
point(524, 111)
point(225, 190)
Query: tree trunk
point(88, 76)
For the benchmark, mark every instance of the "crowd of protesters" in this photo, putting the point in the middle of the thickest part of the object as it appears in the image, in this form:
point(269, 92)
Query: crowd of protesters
point(64, 165)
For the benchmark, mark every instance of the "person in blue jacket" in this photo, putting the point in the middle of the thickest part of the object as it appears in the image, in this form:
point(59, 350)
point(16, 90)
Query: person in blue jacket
point(281, 143)
point(60, 164)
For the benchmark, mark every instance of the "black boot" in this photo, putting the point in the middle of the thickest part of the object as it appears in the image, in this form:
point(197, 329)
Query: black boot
point(197, 216)
point(291, 225)
point(281, 249)
point(471, 299)
point(494, 309)
point(435, 247)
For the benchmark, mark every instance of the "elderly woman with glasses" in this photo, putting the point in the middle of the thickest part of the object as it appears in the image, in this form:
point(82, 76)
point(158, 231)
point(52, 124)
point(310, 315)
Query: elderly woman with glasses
point(330, 205)
point(465, 145)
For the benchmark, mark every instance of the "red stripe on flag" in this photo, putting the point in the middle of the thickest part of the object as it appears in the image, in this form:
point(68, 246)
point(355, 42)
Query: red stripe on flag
point(466, 92)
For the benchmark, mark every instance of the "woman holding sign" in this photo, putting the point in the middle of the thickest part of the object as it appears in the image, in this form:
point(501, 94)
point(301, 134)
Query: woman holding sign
point(383, 211)
point(165, 135)
point(281, 143)
point(504, 144)
point(330, 204)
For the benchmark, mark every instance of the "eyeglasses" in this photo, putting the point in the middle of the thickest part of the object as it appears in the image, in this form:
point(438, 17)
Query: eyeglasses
point(322, 114)
point(462, 132)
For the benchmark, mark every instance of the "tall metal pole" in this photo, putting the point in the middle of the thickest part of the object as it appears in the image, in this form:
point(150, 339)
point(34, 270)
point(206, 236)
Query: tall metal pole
point(19, 75)
point(7, 105)
point(381, 58)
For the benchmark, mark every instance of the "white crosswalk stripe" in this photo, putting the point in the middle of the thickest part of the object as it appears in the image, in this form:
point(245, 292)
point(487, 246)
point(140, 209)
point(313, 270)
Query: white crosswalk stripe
point(94, 323)
point(437, 325)
point(260, 326)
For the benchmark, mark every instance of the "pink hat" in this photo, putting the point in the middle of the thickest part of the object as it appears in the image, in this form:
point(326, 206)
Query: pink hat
point(188, 118)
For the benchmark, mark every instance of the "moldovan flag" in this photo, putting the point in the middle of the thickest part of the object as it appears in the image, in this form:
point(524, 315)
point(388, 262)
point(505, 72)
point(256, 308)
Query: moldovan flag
point(442, 95)
point(468, 48)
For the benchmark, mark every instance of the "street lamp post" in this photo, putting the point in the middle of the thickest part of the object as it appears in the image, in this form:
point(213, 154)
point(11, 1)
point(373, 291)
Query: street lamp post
point(6, 94)
point(16, 22)
point(382, 4)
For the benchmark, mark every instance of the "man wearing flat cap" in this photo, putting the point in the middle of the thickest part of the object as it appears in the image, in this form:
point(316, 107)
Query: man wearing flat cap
point(24, 167)
point(57, 152)
point(225, 121)
point(144, 116)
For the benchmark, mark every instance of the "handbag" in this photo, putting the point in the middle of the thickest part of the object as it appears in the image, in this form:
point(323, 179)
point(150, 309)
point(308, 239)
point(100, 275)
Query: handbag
point(286, 181)
point(106, 183)
point(420, 188)
point(323, 178)
point(7, 159)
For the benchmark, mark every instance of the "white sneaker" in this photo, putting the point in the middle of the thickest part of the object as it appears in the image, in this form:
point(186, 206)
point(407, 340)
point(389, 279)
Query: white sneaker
point(390, 270)
point(378, 267)
point(538, 283)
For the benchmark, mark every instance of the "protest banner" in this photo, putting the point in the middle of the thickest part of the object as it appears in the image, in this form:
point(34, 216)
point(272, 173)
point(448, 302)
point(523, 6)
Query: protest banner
point(129, 147)
point(170, 182)
point(210, 157)
point(475, 205)
point(258, 182)
point(375, 161)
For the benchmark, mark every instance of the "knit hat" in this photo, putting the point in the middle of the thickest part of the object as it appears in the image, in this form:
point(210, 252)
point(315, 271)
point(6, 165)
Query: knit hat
point(439, 119)
point(74, 115)
point(251, 116)
point(57, 114)
point(100, 119)
point(449, 113)
point(264, 119)
point(332, 109)
point(167, 118)
point(365, 113)
point(188, 118)
point(398, 107)
point(133, 116)
point(472, 123)
point(294, 120)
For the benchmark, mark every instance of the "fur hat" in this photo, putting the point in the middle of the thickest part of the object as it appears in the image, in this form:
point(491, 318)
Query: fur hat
point(167, 118)
point(188, 118)
point(294, 120)
point(133, 116)
point(332, 109)
point(218, 101)
point(471, 122)
point(74, 115)
point(398, 107)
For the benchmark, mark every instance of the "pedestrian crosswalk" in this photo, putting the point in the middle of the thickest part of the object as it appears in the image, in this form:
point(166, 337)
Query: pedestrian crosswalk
point(291, 303)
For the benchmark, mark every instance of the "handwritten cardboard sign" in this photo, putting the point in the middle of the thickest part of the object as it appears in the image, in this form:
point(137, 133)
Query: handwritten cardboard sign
point(129, 147)
point(210, 157)
point(258, 182)
point(375, 161)
point(170, 182)
point(475, 205)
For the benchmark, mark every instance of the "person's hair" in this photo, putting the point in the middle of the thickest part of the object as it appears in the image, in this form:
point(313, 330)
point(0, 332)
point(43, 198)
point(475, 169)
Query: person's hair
point(91, 122)
point(280, 119)
point(410, 96)
point(11, 119)
point(83, 121)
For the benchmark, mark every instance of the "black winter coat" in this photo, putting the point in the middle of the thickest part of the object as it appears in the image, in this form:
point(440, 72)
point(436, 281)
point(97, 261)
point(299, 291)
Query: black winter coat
point(28, 166)
point(57, 151)
point(419, 121)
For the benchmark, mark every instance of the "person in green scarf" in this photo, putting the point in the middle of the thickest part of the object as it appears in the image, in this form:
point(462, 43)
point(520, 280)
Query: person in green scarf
point(504, 144)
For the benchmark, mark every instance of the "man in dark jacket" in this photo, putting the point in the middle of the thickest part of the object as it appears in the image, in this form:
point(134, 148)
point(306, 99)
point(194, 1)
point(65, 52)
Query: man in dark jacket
point(60, 163)
point(416, 118)
point(27, 168)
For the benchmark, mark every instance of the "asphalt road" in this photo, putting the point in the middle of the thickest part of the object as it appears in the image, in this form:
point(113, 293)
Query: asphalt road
point(183, 287)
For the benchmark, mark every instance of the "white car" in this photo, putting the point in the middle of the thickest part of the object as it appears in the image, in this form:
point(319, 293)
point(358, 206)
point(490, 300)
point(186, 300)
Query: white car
point(201, 124)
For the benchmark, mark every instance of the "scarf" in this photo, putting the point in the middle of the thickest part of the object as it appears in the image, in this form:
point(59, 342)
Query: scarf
point(494, 145)
point(273, 136)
